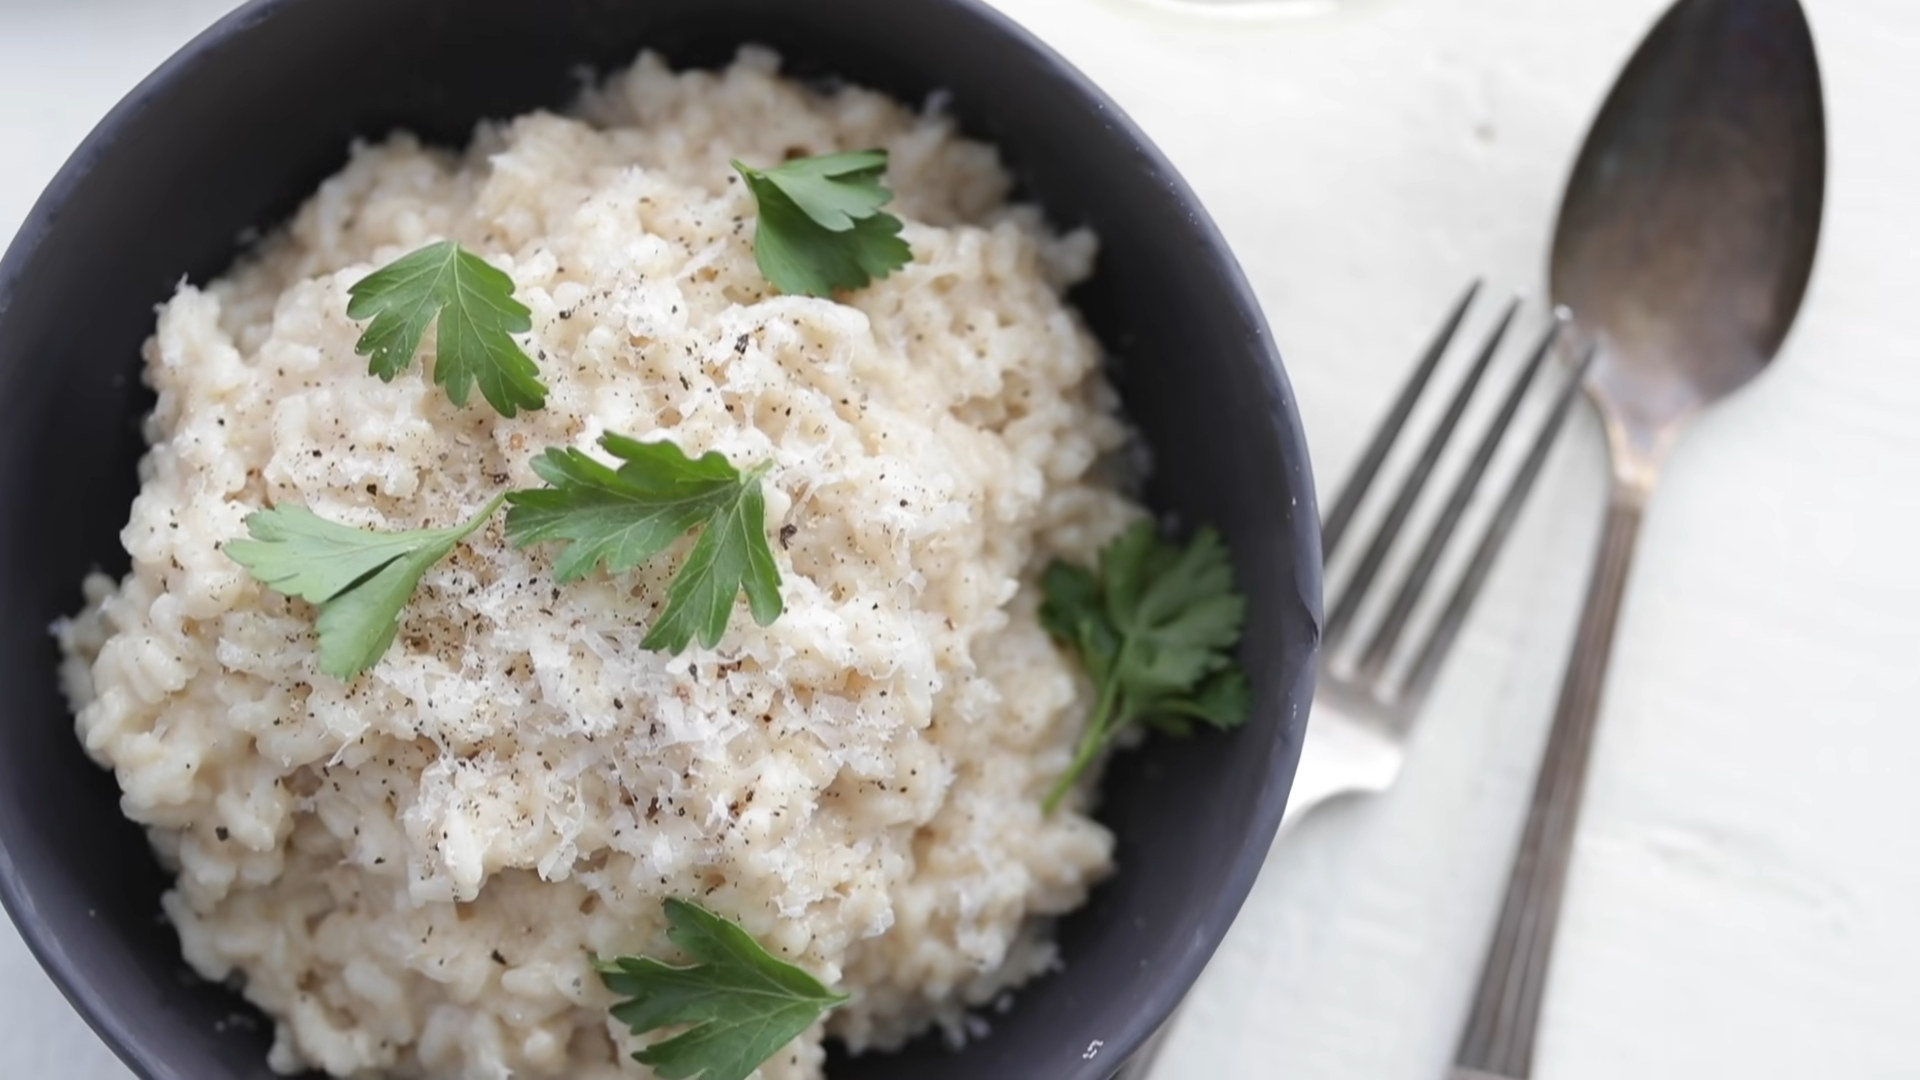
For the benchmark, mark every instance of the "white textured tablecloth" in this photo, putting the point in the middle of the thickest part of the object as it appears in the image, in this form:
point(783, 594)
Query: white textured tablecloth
point(1746, 885)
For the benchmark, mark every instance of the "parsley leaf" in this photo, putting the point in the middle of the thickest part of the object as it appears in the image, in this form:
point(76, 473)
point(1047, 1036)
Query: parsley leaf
point(820, 225)
point(742, 1002)
point(478, 317)
point(622, 517)
point(359, 578)
point(1155, 628)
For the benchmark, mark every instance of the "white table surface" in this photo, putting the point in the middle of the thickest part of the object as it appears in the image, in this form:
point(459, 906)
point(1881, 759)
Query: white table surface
point(1746, 886)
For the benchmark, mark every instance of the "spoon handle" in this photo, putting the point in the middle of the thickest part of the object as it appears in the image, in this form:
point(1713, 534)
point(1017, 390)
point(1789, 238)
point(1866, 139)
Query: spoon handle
point(1498, 1040)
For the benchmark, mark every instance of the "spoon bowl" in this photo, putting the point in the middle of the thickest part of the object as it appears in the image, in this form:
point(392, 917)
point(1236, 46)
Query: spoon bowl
point(1688, 230)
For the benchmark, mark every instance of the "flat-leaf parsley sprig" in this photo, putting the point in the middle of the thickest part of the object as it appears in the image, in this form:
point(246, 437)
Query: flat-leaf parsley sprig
point(1155, 627)
point(360, 578)
point(621, 517)
point(821, 228)
point(739, 1003)
point(478, 316)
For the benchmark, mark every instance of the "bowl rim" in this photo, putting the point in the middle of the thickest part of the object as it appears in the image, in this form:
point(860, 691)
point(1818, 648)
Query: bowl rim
point(1158, 1005)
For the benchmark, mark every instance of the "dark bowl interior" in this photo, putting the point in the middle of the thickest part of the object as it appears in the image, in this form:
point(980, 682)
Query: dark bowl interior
point(230, 135)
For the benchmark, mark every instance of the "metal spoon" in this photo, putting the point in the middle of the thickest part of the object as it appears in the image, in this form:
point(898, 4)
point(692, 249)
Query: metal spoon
point(1683, 250)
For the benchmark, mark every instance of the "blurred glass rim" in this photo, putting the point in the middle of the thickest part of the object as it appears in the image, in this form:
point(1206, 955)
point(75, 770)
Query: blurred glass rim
point(1243, 9)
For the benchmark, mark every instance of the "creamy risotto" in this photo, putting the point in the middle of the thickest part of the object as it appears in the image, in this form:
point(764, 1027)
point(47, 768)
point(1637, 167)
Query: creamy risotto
point(409, 872)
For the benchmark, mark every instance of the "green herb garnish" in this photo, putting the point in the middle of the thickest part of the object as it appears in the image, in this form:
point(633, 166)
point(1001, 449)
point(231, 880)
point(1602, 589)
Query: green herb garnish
point(620, 518)
point(478, 317)
point(820, 225)
point(740, 1003)
point(360, 578)
point(1155, 628)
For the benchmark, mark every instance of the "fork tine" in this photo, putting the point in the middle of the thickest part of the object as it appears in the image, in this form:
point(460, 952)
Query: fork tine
point(1384, 436)
point(1389, 530)
point(1373, 661)
point(1440, 640)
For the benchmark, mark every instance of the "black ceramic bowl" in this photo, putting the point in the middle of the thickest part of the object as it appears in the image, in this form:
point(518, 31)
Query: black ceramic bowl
point(233, 132)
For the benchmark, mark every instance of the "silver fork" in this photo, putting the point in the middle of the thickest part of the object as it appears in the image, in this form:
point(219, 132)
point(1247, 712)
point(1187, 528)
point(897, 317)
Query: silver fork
point(1364, 709)
point(1366, 703)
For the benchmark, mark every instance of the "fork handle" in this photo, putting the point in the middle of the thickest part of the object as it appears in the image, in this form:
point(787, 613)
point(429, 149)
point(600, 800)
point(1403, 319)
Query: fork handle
point(1498, 1041)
